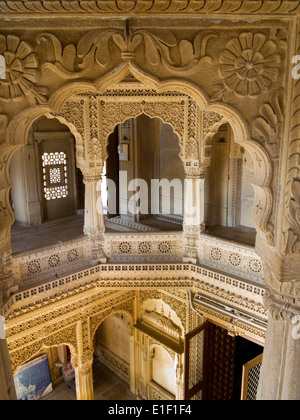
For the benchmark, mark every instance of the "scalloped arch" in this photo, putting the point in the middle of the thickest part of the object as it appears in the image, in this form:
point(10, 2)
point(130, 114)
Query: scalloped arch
point(18, 128)
point(113, 311)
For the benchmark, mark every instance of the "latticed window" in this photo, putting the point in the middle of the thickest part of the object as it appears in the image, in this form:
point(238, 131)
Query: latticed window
point(251, 374)
point(55, 175)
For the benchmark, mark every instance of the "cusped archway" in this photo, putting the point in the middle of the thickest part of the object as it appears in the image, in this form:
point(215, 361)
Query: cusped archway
point(78, 105)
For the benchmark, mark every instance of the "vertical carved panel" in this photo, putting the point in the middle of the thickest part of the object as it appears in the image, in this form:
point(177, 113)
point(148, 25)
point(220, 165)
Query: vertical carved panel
point(291, 229)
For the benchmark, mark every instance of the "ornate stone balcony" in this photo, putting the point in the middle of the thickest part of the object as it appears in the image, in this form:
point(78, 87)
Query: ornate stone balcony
point(230, 275)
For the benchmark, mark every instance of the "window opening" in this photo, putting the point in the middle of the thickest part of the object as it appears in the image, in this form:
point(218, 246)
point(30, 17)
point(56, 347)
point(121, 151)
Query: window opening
point(55, 175)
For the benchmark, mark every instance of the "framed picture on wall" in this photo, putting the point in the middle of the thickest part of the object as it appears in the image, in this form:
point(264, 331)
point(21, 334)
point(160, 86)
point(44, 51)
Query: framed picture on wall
point(32, 380)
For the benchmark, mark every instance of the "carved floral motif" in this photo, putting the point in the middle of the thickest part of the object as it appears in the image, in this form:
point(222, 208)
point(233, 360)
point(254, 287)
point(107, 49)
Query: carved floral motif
point(267, 127)
point(21, 67)
point(249, 64)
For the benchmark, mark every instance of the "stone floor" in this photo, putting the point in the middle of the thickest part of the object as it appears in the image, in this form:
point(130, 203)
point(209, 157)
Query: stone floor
point(238, 234)
point(25, 239)
point(107, 386)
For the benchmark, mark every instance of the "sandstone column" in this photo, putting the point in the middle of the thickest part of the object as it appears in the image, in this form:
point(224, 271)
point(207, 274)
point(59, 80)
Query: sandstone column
point(94, 225)
point(132, 368)
point(179, 376)
point(193, 222)
point(279, 379)
point(280, 374)
point(84, 378)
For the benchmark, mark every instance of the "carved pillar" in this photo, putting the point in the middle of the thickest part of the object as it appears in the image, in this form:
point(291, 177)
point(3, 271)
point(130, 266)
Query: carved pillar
point(84, 378)
point(8, 280)
point(132, 369)
point(94, 225)
point(7, 387)
point(193, 223)
point(148, 356)
point(279, 378)
point(138, 369)
point(179, 376)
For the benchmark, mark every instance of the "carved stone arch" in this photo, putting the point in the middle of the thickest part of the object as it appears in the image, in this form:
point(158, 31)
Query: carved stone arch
point(23, 355)
point(97, 320)
point(191, 103)
point(18, 129)
point(153, 88)
point(212, 121)
point(263, 199)
point(147, 107)
point(175, 307)
point(27, 353)
point(153, 344)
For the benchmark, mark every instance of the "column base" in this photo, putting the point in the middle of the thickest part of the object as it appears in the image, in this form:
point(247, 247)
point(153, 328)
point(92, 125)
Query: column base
point(191, 260)
point(97, 261)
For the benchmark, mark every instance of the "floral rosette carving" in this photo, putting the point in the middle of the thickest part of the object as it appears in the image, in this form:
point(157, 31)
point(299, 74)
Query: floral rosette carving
point(249, 64)
point(21, 67)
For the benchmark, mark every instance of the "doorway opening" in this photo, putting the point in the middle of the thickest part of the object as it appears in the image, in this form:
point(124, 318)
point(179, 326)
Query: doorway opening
point(112, 359)
point(217, 373)
point(144, 177)
point(47, 194)
point(229, 195)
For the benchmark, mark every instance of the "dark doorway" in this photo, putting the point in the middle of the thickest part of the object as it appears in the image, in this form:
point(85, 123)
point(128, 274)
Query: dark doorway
point(112, 173)
point(245, 351)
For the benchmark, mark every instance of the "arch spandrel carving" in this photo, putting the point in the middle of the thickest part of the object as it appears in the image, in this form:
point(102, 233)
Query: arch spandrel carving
point(21, 355)
point(169, 307)
point(125, 307)
point(190, 105)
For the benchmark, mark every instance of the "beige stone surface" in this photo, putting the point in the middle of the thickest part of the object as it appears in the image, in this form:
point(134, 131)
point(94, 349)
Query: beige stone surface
point(179, 72)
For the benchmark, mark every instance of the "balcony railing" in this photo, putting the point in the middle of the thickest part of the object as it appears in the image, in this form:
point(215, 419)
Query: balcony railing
point(134, 260)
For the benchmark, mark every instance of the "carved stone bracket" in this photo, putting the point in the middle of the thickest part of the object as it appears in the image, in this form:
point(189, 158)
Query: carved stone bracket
point(279, 307)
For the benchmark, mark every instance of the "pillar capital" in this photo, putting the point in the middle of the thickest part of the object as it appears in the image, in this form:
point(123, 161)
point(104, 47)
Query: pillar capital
point(281, 272)
point(195, 173)
point(280, 306)
point(89, 177)
point(279, 377)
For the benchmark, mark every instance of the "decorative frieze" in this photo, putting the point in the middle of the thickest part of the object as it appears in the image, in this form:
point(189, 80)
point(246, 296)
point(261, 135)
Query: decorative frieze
point(50, 263)
point(189, 7)
point(237, 259)
point(156, 247)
